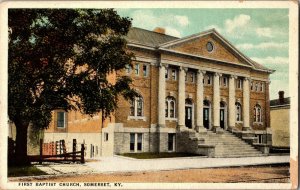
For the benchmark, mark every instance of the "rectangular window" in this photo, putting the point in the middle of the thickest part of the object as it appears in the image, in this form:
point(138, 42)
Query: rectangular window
point(132, 141)
point(173, 74)
point(139, 141)
point(192, 77)
point(136, 142)
point(60, 119)
point(208, 79)
point(128, 69)
point(166, 73)
point(105, 137)
point(225, 81)
point(171, 141)
point(137, 69)
point(252, 86)
point(145, 70)
point(262, 87)
point(239, 83)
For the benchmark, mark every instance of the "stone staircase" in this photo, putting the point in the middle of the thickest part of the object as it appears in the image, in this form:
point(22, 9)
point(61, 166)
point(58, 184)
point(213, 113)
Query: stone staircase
point(226, 144)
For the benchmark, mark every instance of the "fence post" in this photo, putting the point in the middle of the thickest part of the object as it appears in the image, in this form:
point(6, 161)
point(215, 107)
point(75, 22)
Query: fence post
point(41, 151)
point(74, 149)
point(60, 147)
point(82, 154)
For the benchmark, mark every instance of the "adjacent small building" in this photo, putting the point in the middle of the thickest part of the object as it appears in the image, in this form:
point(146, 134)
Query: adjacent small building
point(280, 121)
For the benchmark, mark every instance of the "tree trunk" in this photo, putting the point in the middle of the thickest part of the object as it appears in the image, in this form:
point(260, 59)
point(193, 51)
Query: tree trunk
point(21, 144)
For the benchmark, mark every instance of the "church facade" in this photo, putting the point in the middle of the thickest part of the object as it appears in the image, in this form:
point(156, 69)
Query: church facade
point(196, 85)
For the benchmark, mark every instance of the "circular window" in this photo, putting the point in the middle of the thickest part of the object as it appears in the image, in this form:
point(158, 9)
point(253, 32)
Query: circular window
point(209, 46)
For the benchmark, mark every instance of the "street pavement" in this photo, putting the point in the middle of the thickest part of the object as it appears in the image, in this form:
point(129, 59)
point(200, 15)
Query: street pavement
point(124, 164)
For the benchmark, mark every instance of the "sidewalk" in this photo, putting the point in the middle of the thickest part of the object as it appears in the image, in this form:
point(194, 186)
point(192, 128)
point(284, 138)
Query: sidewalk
point(124, 164)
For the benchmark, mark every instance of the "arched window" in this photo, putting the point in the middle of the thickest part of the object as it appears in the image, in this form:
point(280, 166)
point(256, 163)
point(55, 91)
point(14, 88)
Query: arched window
point(137, 106)
point(238, 111)
point(170, 107)
point(257, 113)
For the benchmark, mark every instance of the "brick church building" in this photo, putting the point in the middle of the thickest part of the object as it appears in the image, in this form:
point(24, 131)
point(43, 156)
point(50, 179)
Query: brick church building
point(198, 94)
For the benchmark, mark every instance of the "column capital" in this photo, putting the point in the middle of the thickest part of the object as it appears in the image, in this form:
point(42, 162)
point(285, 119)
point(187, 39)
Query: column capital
point(233, 76)
point(247, 79)
point(163, 65)
point(218, 74)
point(201, 71)
point(183, 68)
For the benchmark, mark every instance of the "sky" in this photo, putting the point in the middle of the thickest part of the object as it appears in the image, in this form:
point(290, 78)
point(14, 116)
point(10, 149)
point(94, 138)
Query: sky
point(260, 34)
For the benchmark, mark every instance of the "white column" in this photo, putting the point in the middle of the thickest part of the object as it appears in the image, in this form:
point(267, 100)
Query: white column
point(231, 103)
point(161, 95)
point(199, 105)
point(246, 104)
point(181, 97)
point(216, 101)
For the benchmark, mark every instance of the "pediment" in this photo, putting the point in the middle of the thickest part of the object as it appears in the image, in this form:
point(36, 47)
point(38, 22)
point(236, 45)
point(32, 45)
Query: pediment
point(209, 44)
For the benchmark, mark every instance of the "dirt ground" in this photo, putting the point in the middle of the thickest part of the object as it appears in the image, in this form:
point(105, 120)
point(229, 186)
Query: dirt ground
point(257, 174)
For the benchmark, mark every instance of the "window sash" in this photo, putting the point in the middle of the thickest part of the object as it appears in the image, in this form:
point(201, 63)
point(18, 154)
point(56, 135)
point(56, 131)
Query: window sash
point(173, 74)
point(137, 69)
point(60, 119)
point(145, 70)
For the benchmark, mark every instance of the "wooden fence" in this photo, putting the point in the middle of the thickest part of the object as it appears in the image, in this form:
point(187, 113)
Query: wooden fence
point(56, 152)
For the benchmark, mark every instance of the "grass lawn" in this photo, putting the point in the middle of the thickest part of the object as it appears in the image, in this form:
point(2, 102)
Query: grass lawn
point(15, 171)
point(151, 155)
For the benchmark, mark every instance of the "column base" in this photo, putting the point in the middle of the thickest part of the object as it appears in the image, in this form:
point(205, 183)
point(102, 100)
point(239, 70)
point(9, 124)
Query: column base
point(217, 129)
point(182, 128)
point(200, 129)
point(246, 128)
point(231, 128)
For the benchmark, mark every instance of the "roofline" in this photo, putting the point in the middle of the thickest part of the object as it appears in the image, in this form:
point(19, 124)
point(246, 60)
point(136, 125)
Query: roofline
point(198, 56)
point(214, 31)
point(148, 47)
point(142, 46)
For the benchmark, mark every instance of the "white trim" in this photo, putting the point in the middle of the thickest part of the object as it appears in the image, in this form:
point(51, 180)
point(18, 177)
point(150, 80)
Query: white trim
point(137, 118)
point(207, 58)
point(138, 45)
point(209, 69)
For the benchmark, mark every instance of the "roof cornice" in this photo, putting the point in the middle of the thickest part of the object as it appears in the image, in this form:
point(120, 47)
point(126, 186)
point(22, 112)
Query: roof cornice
point(202, 57)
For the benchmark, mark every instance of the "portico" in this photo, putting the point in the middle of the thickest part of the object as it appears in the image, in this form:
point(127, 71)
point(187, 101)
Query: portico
point(218, 113)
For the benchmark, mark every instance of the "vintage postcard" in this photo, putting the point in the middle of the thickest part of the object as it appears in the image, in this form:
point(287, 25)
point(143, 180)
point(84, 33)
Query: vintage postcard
point(149, 95)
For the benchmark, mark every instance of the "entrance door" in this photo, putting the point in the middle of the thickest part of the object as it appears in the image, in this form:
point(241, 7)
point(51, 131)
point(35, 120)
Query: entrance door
point(188, 117)
point(222, 118)
point(206, 117)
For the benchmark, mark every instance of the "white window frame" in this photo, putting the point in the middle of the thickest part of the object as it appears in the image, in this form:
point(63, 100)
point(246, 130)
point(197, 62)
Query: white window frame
point(135, 116)
point(64, 119)
point(167, 73)
point(239, 83)
point(175, 74)
point(145, 73)
point(137, 69)
point(192, 75)
point(237, 104)
point(128, 69)
point(207, 80)
point(258, 114)
point(262, 87)
point(135, 145)
point(256, 87)
point(170, 99)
